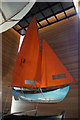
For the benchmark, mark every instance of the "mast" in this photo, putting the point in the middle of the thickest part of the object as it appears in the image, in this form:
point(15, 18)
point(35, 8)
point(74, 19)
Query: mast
point(27, 70)
point(54, 73)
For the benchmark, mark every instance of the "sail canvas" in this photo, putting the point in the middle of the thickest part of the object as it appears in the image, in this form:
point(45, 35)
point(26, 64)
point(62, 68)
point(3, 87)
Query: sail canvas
point(54, 73)
point(27, 70)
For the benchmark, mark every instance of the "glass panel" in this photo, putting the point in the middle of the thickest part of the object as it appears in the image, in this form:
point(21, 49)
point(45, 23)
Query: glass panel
point(17, 27)
point(56, 8)
point(23, 23)
point(70, 11)
point(60, 15)
point(22, 32)
point(38, 25)
point(44, 22)
point(52, 19)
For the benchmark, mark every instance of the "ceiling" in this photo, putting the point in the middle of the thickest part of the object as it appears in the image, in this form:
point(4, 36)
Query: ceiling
point(46, 13)
point(12, 12)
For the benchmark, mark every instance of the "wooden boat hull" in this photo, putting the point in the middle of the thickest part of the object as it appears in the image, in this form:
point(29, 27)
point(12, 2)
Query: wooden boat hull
point(53, 96)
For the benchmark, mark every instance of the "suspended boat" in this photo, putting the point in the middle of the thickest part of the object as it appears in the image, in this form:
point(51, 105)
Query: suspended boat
point(35, 79)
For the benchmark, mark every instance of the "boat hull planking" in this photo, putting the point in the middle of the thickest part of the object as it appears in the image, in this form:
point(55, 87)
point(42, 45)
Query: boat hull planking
point(53, 96)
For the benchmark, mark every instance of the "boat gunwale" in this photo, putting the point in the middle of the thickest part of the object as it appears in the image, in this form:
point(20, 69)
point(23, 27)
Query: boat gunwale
point(43, 90)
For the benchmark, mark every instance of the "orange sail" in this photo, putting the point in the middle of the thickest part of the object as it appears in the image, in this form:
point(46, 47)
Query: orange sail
point(54, 72)
point(27, 70)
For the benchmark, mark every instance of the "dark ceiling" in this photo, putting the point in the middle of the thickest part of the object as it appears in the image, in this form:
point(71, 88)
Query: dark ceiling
point(46, 14)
